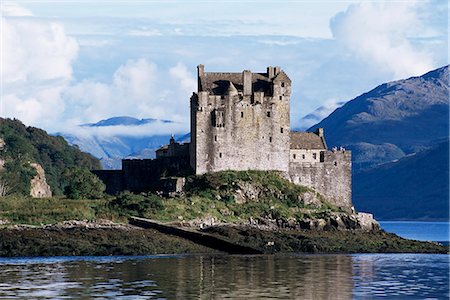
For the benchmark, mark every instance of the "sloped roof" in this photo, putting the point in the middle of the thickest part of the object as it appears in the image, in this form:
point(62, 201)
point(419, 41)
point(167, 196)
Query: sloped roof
point(306, 140)
point(218, 83)
point(281, 77)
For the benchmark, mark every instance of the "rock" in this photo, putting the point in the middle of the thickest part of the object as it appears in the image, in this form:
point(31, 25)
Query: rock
point(246, 191)
point(309, 198)
point(202, 223)
point(39, 186)
point(367, 222)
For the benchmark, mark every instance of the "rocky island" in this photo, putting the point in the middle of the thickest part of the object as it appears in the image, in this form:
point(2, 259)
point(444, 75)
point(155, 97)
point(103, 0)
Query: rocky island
point(245, 183)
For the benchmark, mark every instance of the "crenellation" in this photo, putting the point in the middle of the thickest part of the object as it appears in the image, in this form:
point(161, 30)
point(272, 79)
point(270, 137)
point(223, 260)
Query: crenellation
point(241, 121)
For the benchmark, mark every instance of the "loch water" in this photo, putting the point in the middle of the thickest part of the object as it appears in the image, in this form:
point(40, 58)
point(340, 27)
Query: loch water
point(421, 231)
point(294, 276)
point(389, 276)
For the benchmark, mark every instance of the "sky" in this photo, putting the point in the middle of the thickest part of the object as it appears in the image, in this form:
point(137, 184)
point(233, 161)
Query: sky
point(66, 63)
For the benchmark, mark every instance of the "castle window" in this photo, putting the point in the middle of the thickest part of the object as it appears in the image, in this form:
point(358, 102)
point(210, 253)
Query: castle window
point(270, 139)
point(303, 156)
point(282, 84)
point(294, 156)
point(220, 155)
point(268, 114)
point(281, 129)
point(222, 97)
point(281, 97)
point(335, 163)
point(314, 156)
point(242, 114)
point(215, 138)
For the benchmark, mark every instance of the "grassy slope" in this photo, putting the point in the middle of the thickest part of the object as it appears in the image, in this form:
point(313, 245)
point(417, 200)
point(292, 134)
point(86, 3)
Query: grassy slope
point(210, 195)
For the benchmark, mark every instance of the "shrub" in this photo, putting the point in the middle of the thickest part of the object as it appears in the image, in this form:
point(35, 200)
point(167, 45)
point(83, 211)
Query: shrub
point(17, 176)
point(136, 205)
point(81, 183)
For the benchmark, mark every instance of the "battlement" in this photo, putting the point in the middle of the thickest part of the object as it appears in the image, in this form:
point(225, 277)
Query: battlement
point(241, 121)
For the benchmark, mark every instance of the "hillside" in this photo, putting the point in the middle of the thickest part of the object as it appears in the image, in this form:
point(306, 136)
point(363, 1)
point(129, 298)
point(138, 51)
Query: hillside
point(415, 187)
point(392, 120)
point(29, 144)
point(397, 135)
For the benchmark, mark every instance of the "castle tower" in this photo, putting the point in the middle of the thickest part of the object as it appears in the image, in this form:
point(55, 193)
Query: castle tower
point(240, 121)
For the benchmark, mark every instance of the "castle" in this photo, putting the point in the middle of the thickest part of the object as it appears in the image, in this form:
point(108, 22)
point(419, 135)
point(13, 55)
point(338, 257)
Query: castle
point(241, 121)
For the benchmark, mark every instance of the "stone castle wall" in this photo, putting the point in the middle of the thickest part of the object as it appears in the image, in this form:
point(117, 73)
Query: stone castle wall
point(331, 177)
point(143, 175)
point(239, 131)
point(241, 121)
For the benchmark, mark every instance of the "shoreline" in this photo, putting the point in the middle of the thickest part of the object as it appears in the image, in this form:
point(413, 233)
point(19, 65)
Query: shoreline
point(105, 238)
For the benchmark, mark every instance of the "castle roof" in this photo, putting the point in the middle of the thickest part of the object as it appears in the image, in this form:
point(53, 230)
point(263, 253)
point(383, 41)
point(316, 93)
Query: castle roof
point(218, 83)
point(307, 140)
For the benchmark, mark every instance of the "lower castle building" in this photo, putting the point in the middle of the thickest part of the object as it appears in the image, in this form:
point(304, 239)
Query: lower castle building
point(241, 121)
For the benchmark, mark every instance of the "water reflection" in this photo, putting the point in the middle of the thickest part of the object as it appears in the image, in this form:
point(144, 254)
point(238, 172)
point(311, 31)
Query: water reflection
point(220, 277)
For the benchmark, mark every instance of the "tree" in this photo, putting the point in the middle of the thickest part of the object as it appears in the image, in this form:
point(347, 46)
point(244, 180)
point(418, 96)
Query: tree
point(81, 183)
point(4, 187)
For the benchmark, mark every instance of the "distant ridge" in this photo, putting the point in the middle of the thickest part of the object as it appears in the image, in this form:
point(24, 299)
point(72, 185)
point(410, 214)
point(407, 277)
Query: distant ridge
point(124, 120)
point(403, 116)
point(113, 148)
point(398, 134)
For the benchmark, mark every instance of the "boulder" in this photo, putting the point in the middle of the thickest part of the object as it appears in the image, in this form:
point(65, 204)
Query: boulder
point(367, 222)
point(39, 187)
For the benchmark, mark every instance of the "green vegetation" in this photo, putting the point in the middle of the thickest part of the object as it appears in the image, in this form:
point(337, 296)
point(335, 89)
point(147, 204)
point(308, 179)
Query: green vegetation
point(229, 196)
point(225, 196)
point(81, 183)
point(29, 144)
point(17, 209)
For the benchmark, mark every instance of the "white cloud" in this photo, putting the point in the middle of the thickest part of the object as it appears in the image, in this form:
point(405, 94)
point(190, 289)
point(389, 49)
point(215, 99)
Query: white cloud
point(155, 128)
point(138, 88)
point(187, 81)
point(379, 32)
point(37, 59)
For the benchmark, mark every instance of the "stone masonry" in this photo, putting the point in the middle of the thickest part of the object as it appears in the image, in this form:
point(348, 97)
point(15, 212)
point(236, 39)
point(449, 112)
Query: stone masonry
point(241, 121)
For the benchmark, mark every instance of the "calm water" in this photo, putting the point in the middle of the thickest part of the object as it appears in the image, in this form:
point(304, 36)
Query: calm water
point(422, 231)
point(218, 277)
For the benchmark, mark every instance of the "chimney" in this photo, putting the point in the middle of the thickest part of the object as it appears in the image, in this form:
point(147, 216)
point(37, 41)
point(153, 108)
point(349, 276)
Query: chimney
point(200, 70)
point(270, 72)
point(277, 71)
point(247, 82)
point(319, 132)
point(200, 73)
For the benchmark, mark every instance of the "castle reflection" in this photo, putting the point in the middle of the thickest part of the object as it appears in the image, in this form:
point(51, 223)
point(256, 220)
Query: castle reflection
point(218, 277)
point(418, 276)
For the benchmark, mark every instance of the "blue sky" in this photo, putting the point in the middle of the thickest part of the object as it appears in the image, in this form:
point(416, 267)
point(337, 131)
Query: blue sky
point(66, 63)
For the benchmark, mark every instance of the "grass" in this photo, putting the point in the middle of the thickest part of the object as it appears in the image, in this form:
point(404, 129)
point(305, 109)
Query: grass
point(208, 195)
point(26, 210)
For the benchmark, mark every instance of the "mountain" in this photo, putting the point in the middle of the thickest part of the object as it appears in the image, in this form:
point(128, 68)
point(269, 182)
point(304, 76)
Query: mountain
point(392, 120)
point(414, 187)
point(398, 134)
point(111, 149)
point(317, 115)
point(125, 121)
